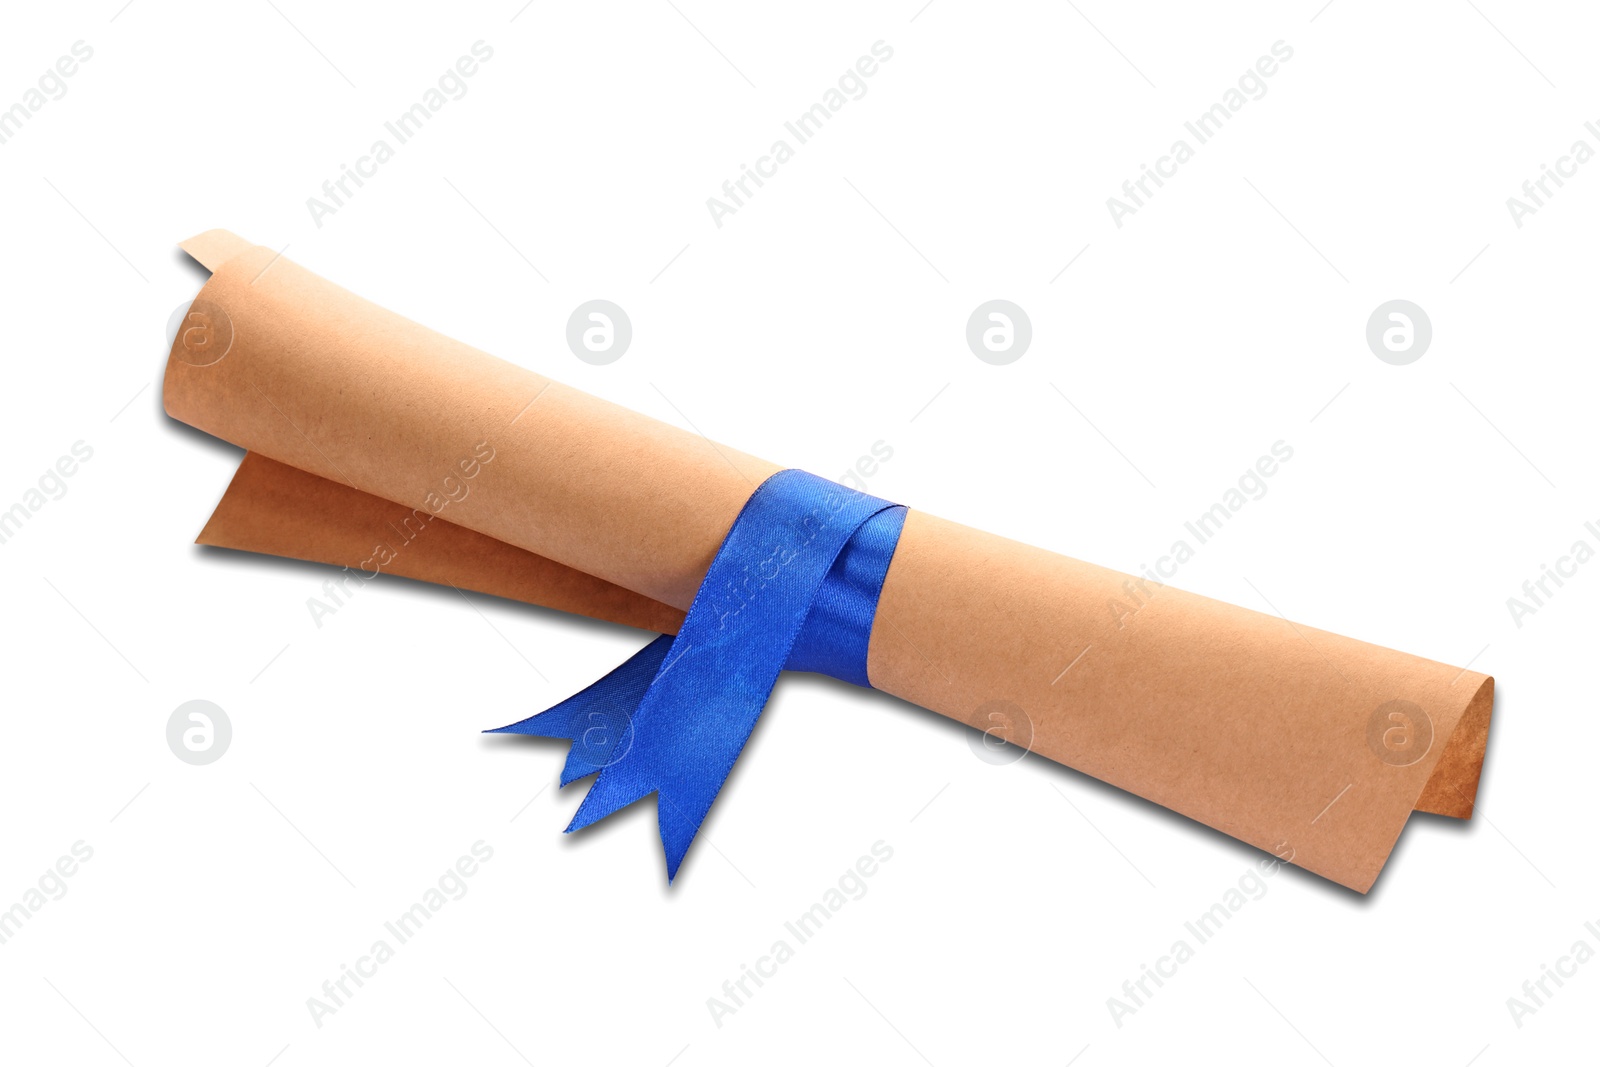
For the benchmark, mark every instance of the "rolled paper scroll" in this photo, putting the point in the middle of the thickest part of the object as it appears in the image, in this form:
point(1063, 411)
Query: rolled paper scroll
point(364, 428)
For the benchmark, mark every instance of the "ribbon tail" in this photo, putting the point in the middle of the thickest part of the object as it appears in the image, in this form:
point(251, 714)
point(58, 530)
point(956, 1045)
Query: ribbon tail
point(681, 807)
point(679, 821)
point(684, 748)
point(598, 720)
point(609, 794)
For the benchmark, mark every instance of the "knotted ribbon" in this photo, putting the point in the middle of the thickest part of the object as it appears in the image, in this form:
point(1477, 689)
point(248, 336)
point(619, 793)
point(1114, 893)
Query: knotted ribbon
point(794, 586)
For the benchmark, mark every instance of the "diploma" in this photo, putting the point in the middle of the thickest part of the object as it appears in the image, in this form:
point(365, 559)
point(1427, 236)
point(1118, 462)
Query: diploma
point(377, 445)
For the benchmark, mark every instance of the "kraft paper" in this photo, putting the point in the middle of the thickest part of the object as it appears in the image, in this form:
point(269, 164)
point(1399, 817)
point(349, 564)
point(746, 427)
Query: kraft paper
point(378, 445)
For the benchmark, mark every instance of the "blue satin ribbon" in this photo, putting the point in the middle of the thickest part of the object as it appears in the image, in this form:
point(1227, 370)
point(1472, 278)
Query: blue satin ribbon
point(794, 586)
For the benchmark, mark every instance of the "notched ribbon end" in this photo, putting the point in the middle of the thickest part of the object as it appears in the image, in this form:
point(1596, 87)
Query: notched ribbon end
point(608, 796)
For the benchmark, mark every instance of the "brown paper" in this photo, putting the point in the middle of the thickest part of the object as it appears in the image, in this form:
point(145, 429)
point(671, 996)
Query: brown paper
point(1312, 746)
point(280, 510)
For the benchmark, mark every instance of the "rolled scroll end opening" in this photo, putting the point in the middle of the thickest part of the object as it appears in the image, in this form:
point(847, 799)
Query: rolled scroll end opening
point(1453, 788)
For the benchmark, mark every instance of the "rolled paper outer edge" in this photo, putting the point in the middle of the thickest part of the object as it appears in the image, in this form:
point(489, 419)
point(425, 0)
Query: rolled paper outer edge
point(279, 510)
point(1312, 746)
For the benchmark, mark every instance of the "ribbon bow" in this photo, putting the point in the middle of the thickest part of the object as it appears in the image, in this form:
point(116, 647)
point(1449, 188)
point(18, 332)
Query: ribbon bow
point(794, 586)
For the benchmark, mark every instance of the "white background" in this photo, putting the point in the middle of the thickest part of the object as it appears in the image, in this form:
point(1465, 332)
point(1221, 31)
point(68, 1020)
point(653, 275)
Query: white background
point(826, 315)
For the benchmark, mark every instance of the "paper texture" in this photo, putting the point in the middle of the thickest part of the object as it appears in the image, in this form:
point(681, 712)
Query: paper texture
point(280, 510)
point(1312, 746)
